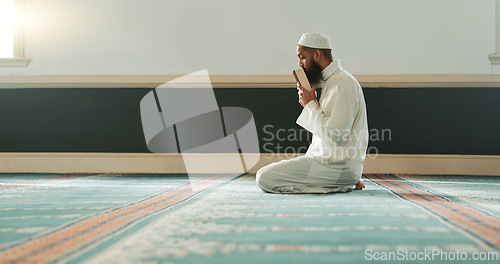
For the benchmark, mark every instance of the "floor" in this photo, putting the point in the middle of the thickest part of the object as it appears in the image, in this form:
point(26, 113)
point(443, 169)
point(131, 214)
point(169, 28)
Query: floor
point(224, 218)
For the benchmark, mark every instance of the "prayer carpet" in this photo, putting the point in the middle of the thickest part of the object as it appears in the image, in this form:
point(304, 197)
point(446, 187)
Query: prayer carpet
point(222, 218)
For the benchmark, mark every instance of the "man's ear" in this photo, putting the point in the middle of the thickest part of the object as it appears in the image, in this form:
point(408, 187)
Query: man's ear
point(317, 55)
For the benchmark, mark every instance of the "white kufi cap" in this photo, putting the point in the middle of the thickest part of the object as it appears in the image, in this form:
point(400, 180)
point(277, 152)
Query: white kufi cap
point(315, 40)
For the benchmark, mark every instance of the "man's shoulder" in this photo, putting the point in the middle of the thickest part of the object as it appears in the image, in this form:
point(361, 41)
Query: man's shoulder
point(347, 76)
point(343, 77)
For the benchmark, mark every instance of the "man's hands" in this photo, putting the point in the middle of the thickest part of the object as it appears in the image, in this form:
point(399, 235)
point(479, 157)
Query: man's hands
point(359, 186)
point(305, 96)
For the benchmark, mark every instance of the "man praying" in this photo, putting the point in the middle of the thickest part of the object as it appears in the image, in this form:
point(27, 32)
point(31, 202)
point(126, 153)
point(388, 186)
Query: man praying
point(334, 160)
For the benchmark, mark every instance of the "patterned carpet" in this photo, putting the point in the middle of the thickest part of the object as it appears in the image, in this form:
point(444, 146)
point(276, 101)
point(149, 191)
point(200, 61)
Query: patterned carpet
point(222, 218)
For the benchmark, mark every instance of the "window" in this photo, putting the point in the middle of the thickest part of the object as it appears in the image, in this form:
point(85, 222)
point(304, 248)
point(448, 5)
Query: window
point(12, 33)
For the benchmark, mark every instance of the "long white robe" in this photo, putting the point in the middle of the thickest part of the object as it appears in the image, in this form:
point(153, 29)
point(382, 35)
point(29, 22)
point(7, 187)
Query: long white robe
point(334, 160)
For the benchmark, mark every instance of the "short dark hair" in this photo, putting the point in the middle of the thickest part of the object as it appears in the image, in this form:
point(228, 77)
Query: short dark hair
point(325, 52)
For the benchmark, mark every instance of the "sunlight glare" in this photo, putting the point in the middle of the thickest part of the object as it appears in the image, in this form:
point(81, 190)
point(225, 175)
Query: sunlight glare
point(7, 28)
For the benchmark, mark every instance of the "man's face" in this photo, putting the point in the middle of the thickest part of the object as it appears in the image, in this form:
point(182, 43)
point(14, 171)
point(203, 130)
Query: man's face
point(310, 66)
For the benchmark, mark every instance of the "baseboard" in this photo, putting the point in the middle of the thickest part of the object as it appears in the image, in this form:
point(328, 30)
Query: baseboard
point(225, 163)
point(434, 164)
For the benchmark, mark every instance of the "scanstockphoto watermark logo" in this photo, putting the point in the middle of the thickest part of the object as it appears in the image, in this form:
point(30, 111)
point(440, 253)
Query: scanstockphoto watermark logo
point(182, 116)
point(292, 141)
point(429, 255)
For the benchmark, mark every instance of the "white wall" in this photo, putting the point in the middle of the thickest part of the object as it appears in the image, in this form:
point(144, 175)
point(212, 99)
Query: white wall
point(80, 37)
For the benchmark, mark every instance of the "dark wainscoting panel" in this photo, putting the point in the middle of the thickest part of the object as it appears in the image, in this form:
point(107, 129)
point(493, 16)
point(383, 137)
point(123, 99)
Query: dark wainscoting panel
point(401, 120)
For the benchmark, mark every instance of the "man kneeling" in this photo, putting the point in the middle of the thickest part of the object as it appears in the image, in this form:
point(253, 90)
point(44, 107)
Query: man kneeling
point(334, 160)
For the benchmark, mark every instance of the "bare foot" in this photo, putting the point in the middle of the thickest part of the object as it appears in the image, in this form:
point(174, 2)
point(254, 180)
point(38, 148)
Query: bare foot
point(359, 186)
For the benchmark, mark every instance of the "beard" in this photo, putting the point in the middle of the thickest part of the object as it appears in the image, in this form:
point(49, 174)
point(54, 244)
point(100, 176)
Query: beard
point(313, 73)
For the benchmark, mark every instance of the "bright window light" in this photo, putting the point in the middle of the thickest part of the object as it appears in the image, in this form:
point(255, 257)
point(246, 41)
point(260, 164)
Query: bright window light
point(7, 25)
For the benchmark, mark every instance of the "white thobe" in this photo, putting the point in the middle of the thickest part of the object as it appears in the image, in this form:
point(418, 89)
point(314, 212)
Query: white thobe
point(334, 160)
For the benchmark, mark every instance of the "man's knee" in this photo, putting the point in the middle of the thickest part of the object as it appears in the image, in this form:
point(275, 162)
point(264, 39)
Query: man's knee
point(263, 179)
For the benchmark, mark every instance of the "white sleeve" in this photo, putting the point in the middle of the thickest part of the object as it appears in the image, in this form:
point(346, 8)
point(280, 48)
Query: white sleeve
point(338, 125)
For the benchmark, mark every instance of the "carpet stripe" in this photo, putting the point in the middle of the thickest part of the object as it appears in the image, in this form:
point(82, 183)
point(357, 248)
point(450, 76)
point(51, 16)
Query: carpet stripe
point(472, 212)
point(473, 221)
point(53, 246)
